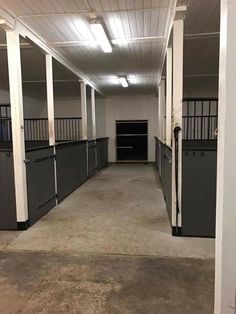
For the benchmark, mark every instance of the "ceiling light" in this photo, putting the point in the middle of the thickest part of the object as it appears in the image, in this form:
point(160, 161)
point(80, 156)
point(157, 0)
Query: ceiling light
point(99, 33)
point(133, 79)
point(123, 81)
point(84, 30)
point(113, 79)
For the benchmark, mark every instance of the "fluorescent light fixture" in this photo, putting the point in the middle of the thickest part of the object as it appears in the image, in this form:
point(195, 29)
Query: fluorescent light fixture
point(84, 30)
point(123, 81)
point(113, 79)
point(99, 33)
point(133, 79)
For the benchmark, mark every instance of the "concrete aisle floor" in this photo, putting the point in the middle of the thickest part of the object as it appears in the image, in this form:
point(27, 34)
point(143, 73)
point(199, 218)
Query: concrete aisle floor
point(107, 248)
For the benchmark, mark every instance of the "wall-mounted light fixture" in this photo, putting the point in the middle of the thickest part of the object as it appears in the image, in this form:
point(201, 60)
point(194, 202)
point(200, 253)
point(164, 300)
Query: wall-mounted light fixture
point(123, 81)
point(101, 37)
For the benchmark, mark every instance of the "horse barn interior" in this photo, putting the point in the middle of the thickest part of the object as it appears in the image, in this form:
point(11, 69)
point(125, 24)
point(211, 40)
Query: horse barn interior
point(117, 150)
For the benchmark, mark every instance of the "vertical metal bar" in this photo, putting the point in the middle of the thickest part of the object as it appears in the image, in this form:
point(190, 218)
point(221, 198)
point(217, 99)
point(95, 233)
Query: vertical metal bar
point(71, 128)
point(202, 120)
point(56, 129)
point(73, 135)
point(67, 129)
point(194, 120)
point(209, 115)
point(63, 134)
point(187, 120)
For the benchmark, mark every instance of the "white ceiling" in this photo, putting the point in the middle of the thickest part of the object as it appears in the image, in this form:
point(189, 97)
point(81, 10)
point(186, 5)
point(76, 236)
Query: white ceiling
point(143, 23)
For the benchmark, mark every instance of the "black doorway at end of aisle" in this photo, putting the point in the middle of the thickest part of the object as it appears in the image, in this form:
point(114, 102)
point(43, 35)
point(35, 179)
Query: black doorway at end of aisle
point(131, 140)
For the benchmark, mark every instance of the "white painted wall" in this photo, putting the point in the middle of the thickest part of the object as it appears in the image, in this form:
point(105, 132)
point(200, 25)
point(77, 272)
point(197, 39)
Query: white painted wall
point(100, 117)
point(141, 107)
point(64, 108)
point(33, 107)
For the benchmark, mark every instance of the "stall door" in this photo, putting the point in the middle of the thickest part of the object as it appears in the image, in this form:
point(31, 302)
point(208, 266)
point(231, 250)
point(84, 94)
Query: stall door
point(131, 140)
point(40, 182)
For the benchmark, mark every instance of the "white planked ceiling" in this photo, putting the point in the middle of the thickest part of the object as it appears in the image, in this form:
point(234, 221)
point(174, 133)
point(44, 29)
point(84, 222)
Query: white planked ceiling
point(142, 23)
point(133, 20)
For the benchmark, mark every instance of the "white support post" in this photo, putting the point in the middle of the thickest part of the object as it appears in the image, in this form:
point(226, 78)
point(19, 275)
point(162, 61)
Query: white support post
point(168, 96)
point(50, 99)
point(93, 105)
point(178, 40)
point(84, 111)
point(17, 116)
point(225, 270)
point(50, 110)
point(161, 111)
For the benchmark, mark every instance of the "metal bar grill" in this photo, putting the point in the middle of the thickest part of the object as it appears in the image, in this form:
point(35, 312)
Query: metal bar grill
point(201, 119)
point(66, 129)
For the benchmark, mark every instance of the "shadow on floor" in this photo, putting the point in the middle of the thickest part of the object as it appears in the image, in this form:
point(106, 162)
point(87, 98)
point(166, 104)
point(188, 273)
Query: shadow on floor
point(99, 284)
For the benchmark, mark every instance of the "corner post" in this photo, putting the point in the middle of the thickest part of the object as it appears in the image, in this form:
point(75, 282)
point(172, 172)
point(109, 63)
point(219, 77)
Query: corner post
point(178, 41)
point(225, 272)
point(168, 96)
point(84, 111)
point(17, 116)
point(93, 104)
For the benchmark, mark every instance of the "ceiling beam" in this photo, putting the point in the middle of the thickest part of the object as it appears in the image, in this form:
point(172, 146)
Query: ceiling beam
point(202, 35)
point(26, 32)
point(201, 75)
point(133, 40)
point(119, 41)
point(197, 75)
point(88, 12)
point(108, 78)
point(22, 45)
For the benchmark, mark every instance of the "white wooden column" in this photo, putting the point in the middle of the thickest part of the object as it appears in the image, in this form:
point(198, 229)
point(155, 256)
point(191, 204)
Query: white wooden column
point(84, 111)
point(161, 111)
point(93, 108)
point(17, 116)
point(178, 37)
point(225, 277)
point(50, 110)
point(50, 99)
point(168, 96)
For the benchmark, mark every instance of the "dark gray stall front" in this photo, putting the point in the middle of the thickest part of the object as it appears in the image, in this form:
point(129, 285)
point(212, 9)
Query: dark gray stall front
point(92, 158)
point(158, 146)
point(71, 167)
point(166, 176)
point(7, 192)
point(102, 153)
point(40, 182)
point(72, 160)
point(199, 192)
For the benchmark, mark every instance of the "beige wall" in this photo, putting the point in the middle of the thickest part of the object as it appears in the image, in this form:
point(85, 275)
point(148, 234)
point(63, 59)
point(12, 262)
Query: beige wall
point(33, 107)
point(141, 107)
point(100, 117)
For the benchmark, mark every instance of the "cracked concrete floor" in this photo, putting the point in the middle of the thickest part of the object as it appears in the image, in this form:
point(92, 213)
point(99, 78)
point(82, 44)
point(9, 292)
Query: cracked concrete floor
point(107, 248)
